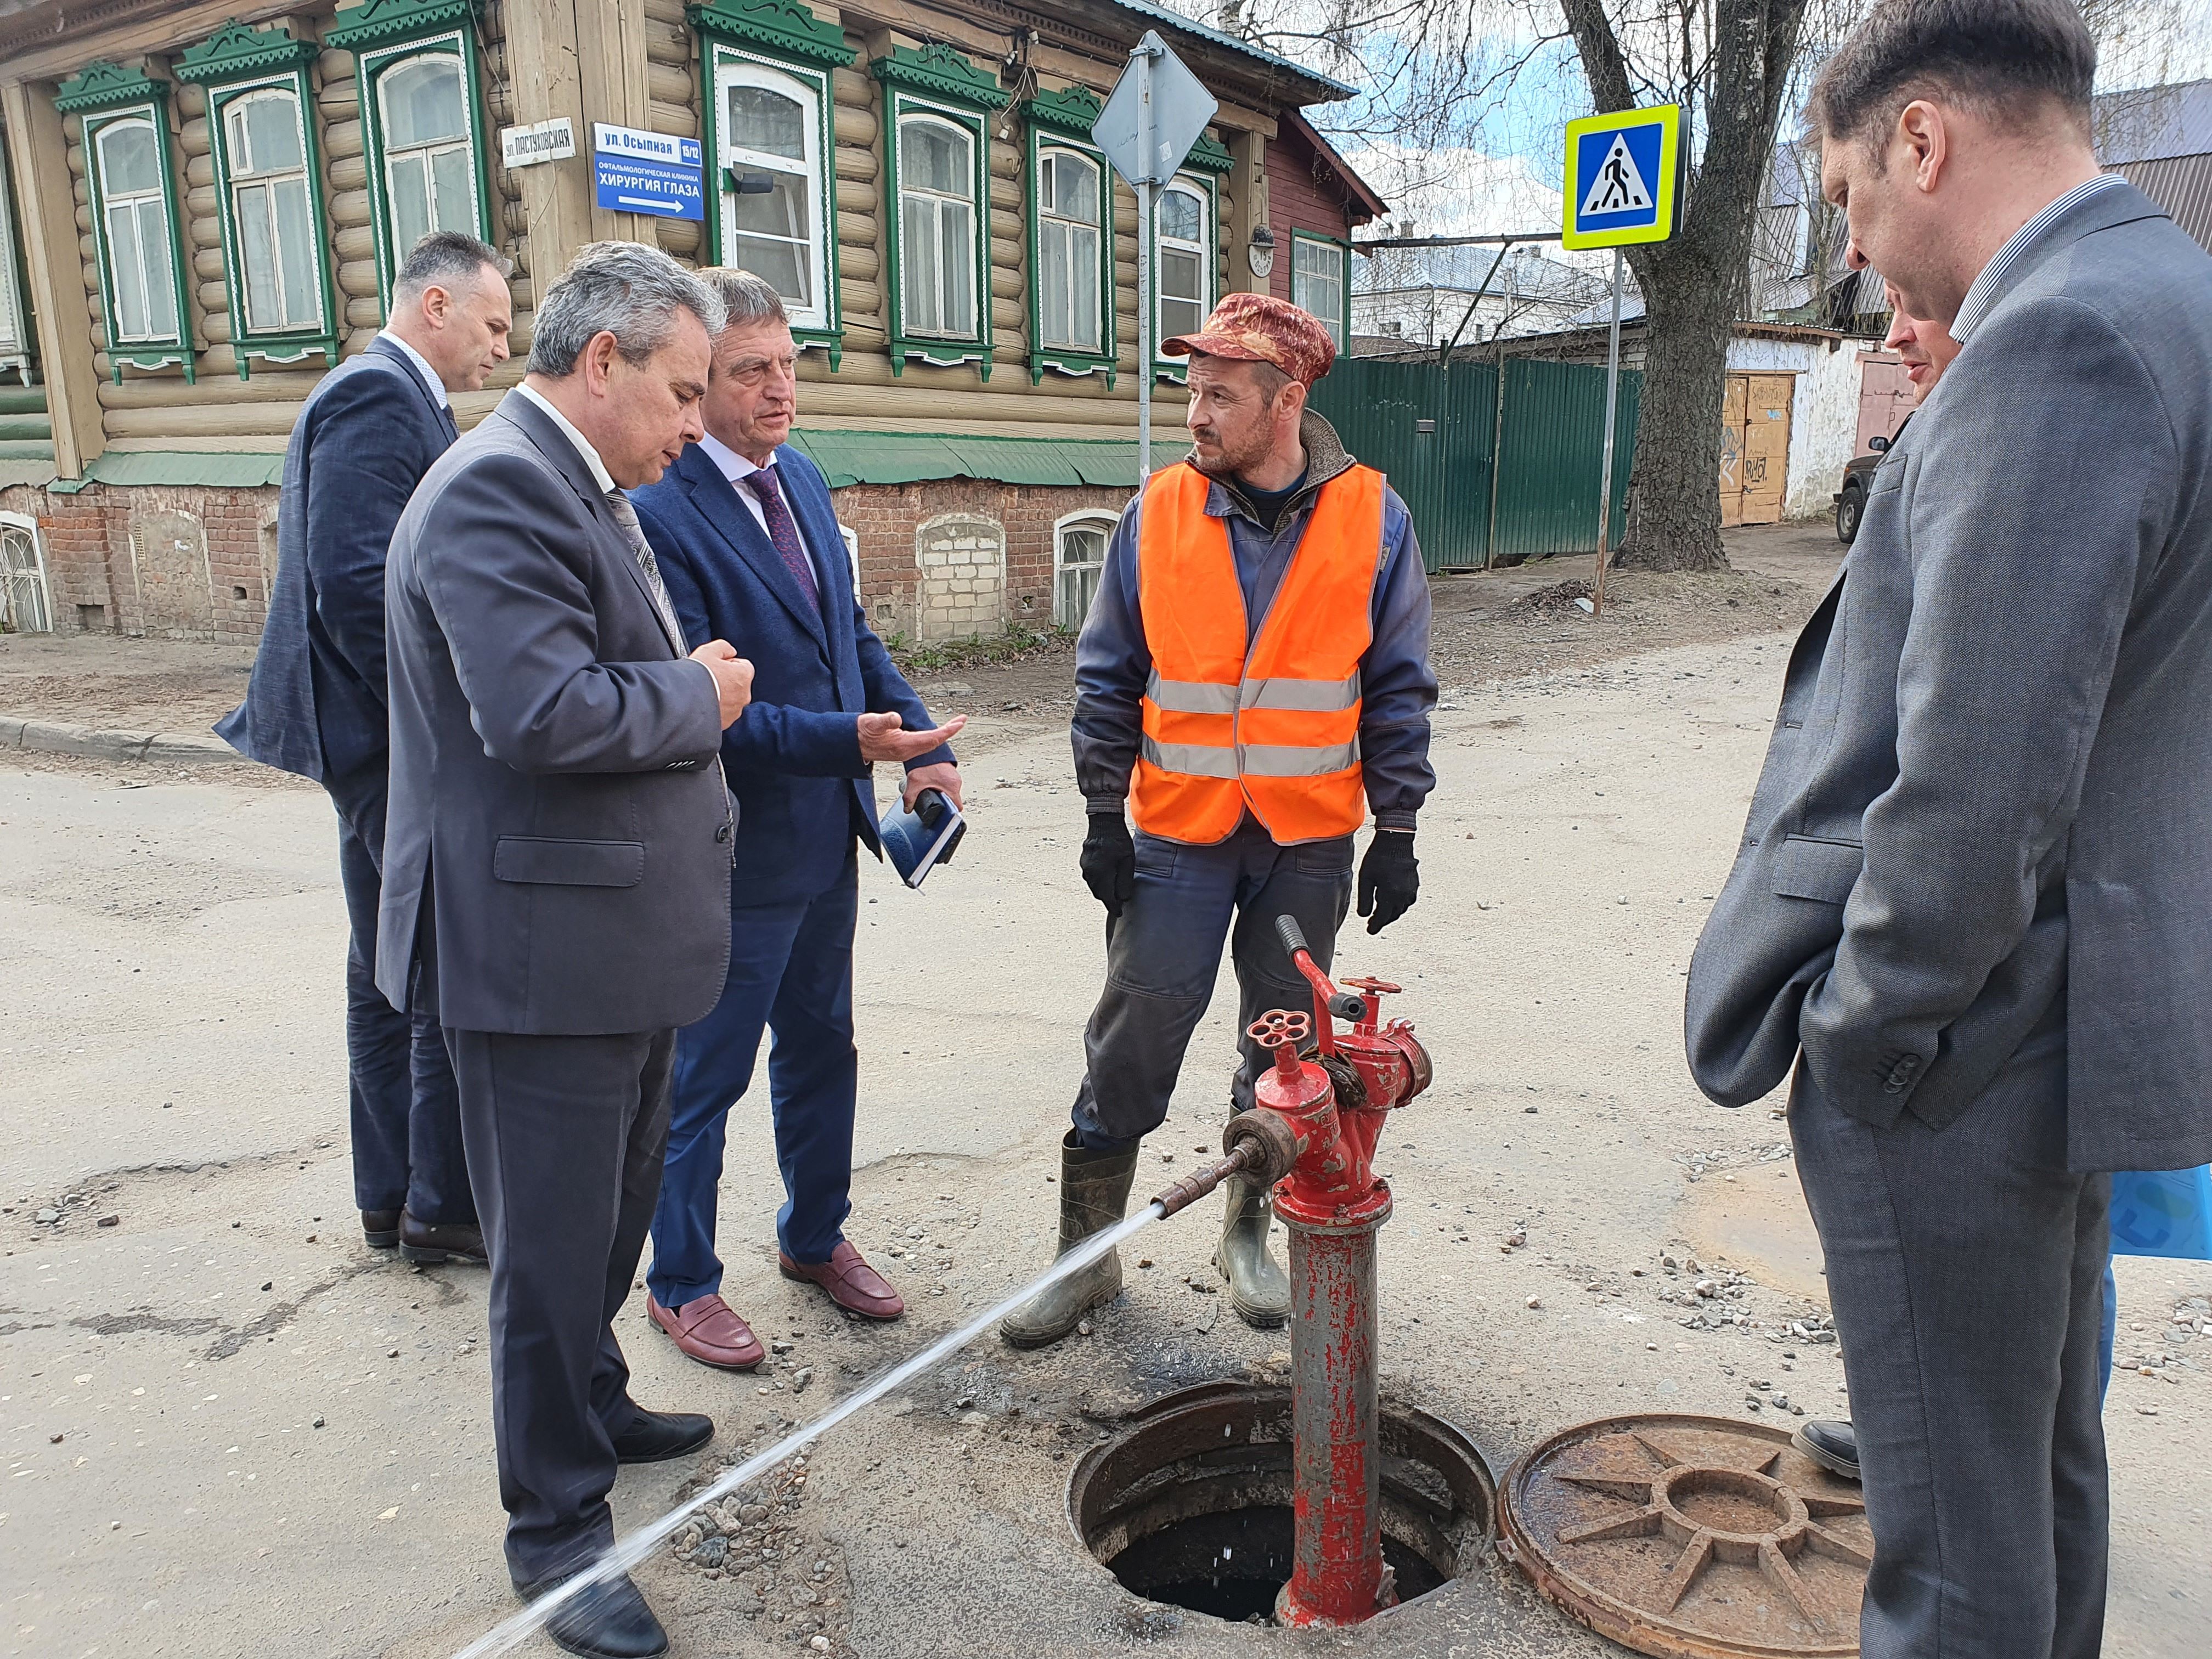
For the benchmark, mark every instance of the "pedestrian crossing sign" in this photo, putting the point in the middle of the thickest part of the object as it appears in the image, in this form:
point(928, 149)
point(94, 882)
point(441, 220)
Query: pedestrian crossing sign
point(1621, 177)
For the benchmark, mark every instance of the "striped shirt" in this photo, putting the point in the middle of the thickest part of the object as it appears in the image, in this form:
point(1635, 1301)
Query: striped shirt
point(1982, 295)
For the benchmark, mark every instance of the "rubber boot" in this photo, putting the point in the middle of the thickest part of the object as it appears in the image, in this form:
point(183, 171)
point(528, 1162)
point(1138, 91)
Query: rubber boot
point(1258, 1289)
point(1094, 1191)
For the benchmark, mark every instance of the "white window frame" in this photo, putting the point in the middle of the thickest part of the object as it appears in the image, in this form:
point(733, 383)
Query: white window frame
point(978, 273)
point(8, 578)
point(1048, 222)
point(1342, 255)
point(241, 182)
point(14, 324)
point(159, 331)
point(1098, 518)
point(378, 73)
point(851, 538)
point(731, 71)
point(1208, 249)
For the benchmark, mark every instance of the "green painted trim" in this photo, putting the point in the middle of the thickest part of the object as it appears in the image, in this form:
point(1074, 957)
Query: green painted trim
point(1042, 356)
point(177, 346)
point(939, 351)
point(1209, 155)
point(1176, 370)
point(898, 458)
point(15, 290)
point(1343, 278)
point(291, 345)
point(784, 28)
point(937, 71)
point(234, 50)
point(220, 469)
point(1072, 111)
point(103, 85)
point(360, 29)
point(371, 63)
point(713, 54)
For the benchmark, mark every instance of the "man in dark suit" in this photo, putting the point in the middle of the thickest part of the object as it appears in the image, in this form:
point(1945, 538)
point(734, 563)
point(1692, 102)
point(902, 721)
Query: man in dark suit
point(1970, 904)
point(316, 703)
point(557, 869)
point(749, 545)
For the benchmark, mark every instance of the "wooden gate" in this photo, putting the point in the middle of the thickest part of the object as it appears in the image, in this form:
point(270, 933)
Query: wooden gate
point(1755, 447)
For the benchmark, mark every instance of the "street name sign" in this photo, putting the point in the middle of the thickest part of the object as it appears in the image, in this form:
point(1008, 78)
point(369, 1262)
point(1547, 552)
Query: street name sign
point(548, 141)
point(639, 172)
point(1621, 173)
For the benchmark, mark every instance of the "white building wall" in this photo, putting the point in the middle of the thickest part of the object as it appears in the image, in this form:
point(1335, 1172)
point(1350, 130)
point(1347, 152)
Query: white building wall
point(1824, 414)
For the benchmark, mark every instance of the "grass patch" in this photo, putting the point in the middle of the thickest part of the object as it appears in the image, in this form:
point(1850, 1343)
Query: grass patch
point(1015, 643)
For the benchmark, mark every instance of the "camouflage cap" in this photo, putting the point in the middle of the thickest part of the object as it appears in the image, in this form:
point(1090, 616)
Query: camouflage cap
point(1260, 328)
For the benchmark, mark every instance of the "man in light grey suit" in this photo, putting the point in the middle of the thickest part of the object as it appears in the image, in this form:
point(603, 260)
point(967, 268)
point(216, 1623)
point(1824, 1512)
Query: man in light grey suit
point(1971, 905)
point(556, 874)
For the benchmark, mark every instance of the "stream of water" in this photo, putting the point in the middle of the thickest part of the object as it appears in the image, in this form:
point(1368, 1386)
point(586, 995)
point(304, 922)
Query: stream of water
point(626, 1552)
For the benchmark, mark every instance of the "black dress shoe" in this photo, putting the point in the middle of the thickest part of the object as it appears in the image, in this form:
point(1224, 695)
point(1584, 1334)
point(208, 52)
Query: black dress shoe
point(380, 1228)
point(433, 1241)
point(607, 1620)
point(656, 1436)
point(1833, 1446)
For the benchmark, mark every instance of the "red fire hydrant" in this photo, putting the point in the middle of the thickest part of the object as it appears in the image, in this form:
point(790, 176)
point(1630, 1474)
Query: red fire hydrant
point(1332, 1201)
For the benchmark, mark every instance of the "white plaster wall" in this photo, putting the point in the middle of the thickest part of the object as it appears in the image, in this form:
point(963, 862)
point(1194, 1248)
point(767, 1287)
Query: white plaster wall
point(1824, 414)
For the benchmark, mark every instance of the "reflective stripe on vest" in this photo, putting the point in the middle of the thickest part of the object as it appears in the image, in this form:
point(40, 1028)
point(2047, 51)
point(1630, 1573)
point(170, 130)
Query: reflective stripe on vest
point(1272, 727)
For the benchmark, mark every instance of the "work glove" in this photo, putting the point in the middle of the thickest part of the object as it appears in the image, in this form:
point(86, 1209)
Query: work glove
point(1389, 879)
point(1109, 861)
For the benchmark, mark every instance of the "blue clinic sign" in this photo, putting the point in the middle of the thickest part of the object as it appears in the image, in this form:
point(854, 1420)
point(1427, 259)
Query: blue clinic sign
point(638, 172)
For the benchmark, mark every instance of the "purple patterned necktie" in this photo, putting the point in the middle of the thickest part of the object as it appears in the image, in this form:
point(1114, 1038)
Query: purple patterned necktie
point(784, 532)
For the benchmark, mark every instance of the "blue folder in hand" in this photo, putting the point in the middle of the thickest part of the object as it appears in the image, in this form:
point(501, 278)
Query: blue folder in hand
point(2163, 1212)
point(918, 840)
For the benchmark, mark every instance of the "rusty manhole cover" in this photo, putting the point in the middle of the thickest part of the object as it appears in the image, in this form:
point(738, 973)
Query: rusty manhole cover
point(1693, 1535)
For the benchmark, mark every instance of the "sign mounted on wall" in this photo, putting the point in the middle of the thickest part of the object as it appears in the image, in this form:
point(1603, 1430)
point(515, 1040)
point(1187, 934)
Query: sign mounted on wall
point(1621, 172)
point(548, 141)
point(639, 172)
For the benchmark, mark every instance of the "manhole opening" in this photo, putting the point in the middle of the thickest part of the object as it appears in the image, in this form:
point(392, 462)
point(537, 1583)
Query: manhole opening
point(1191, 1504)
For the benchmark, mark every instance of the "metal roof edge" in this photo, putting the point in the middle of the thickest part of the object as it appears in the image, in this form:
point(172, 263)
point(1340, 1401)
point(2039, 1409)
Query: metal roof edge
point(1214, 37)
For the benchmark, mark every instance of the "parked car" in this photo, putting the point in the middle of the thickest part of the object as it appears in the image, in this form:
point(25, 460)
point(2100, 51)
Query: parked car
point(1850, 500)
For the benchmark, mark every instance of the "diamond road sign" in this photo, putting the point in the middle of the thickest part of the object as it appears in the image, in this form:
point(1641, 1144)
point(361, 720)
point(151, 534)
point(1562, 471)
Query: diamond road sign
point(1621, 173)
point(1181, 109)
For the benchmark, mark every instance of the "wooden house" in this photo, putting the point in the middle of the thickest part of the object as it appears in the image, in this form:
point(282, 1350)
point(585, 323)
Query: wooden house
point(206, 205)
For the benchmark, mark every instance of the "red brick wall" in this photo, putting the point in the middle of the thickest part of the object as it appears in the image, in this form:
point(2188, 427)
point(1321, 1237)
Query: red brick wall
point(1297, 201)
point(200, 571)
point(887, 518)
point(178, 593)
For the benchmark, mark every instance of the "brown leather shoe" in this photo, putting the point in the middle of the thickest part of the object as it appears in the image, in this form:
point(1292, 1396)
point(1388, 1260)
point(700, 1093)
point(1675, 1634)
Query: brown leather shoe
point(705, 1329)
point(430, 1243)
point(848, 1281)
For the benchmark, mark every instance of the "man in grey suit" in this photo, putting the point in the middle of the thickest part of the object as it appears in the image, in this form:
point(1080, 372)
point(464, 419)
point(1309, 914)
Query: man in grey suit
point(1970, 901)
point(556, 874)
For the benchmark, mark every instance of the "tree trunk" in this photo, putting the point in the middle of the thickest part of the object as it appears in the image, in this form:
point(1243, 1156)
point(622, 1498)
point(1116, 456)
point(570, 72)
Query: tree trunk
point(1692, 283)
point(1673, 482)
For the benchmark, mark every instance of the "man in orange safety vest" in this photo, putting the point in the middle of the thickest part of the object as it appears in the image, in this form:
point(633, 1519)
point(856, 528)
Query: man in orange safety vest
point(1253, 679)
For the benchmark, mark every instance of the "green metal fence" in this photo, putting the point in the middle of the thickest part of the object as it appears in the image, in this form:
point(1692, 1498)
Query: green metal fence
point(1452, 446)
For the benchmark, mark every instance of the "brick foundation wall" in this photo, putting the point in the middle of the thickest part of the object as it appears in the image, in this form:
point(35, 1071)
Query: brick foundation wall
point(913, 592)
point(937, 560)
point(199, 567)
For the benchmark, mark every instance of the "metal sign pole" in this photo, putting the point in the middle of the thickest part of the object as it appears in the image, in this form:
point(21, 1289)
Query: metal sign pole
point(1611, 401)
point(1147, 206)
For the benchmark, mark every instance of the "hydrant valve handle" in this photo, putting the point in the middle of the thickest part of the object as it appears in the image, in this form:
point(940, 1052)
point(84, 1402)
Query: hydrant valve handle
point(1283, 1031)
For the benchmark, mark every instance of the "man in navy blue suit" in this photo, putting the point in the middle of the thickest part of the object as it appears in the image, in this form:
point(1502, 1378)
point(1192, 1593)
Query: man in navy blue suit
point(316, 704)
point(750, 548)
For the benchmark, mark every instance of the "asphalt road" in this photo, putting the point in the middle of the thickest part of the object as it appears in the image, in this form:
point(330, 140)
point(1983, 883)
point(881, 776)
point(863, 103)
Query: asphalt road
point(230, 1429)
